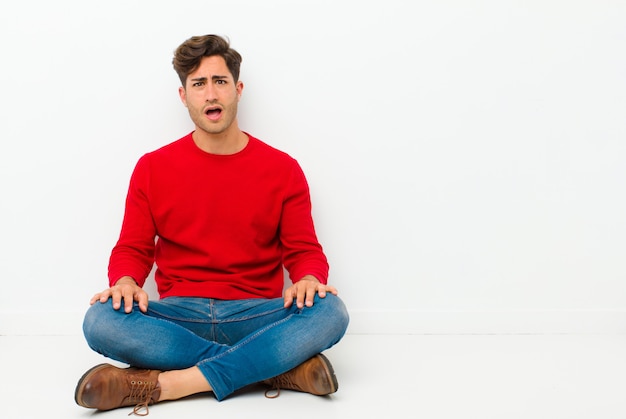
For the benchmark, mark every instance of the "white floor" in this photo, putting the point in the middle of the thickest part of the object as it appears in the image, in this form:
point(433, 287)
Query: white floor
point(396, 376)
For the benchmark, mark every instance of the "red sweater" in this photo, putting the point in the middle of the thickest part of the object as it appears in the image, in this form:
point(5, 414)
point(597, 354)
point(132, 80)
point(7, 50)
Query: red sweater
point(224, 224)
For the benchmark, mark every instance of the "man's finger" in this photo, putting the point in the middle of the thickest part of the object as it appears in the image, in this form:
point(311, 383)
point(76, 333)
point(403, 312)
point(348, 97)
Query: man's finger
point(116, 297)
point(96, 297)
point(129, 299)
point(311, 290)
point(143, 302)
point(288, 297)
point(301, 295)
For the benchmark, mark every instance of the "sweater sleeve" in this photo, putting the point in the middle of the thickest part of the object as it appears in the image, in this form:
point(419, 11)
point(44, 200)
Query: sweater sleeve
point(133, 255)
point(301, 252)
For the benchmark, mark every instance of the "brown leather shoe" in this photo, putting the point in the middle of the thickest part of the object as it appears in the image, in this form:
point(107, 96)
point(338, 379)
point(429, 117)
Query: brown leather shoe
point(315, 376)
point(105, 387)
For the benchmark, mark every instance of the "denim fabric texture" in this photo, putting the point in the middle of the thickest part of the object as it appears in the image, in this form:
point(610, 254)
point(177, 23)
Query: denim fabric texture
point(234, 343)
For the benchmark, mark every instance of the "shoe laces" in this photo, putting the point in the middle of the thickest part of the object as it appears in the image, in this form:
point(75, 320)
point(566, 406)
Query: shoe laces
point(281, 381)
point(141, 393)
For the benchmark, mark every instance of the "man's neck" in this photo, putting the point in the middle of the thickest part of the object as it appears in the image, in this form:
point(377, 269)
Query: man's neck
point(224, 143)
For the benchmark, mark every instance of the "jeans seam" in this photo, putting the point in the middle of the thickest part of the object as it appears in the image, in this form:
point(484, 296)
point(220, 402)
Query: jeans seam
point(218, 391)
point(213, 322)
point(212, 319)
point(247, 340)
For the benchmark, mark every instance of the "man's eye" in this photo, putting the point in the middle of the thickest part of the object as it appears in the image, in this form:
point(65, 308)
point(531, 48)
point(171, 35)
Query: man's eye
point(221, 81)
point(198, 84)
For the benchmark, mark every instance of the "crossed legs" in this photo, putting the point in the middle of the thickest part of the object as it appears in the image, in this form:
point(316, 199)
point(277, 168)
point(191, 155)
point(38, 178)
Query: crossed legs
point(201, 345)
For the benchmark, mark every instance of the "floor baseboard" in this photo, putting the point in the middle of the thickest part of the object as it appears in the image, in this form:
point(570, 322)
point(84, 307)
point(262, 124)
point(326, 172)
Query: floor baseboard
point(412, 322)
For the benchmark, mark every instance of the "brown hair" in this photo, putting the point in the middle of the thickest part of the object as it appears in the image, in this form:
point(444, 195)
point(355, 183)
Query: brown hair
point(188, 55)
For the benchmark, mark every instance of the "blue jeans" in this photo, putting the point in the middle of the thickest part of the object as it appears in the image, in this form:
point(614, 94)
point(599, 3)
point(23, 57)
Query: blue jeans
point(233, 343)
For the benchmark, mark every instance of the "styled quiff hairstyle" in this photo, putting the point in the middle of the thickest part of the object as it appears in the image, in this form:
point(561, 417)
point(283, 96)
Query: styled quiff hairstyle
point(188, 55)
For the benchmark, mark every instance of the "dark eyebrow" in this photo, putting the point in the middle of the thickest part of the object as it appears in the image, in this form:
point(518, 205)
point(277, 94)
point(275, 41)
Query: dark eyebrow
point(204, 79)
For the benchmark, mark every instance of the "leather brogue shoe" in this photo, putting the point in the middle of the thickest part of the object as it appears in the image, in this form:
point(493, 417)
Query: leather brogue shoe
point(315, 376)
point(105, 387)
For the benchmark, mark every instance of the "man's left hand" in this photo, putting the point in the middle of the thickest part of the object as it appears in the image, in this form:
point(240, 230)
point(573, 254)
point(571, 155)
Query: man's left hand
point(303, 292)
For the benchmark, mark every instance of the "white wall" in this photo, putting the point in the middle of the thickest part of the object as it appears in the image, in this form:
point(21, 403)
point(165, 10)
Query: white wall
point(467, 159)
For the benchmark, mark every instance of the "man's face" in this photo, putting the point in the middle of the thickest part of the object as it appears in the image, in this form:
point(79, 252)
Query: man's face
point(211, 96)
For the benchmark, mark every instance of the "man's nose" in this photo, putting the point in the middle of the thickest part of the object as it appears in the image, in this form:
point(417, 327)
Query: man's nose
point(210, 93)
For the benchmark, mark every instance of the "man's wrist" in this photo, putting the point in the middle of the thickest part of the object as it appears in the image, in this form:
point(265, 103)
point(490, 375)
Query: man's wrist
point(309, 277)
point(126, 280)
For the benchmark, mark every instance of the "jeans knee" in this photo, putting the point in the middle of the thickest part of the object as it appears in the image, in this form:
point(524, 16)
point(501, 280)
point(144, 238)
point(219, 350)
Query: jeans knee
point(336, 315)
point(341, 315)
point(98, 325)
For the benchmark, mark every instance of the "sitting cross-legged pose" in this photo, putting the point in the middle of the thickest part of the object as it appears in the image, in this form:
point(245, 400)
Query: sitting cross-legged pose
point(221, 214)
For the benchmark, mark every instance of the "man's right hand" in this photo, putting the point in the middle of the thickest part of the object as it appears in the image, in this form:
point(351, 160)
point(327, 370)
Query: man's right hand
point(125, 288)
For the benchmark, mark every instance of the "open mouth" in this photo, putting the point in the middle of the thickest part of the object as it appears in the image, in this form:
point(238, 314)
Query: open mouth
point(213, 113)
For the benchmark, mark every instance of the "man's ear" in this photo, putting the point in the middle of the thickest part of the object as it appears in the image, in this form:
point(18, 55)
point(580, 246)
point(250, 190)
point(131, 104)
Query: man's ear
point(239, 89)
point(183, 95)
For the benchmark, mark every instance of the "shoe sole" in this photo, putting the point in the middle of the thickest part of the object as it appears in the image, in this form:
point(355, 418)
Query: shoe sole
point(330, 371)
point(80, 387)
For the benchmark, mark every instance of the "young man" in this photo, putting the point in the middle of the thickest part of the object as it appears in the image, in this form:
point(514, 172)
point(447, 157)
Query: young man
point(228, 213)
